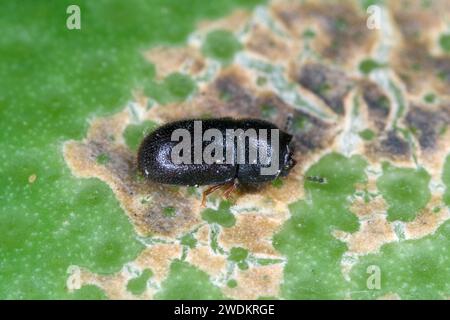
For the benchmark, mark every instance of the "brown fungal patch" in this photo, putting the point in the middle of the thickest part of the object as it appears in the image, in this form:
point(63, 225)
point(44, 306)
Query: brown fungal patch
point(157, 258)
point(374, 230)
point(257, 281)
point(428, 220)
point(312, 134)
point(330, 84)
point(265, 43)
point(427, 125)
point(372, 234)
point(232, 87)
point(430, 127)
point(168, 60)
point(363, 208)
point(202, 234)
point(420, 67)
point(434, 161)
point(114, 286)
point(378, 105)
point(421, 71)
point(417, 23)
point(252, 231)
point(232, 22)
point(391, 145)
point(206, 260)
point(342, 29)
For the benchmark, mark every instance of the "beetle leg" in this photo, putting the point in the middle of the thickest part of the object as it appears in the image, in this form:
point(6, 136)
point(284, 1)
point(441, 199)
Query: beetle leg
point(209, 191)
point(230, 188)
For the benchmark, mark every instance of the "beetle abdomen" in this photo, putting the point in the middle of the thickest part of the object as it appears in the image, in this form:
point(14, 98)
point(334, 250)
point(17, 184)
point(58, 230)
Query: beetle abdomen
point(155, 161)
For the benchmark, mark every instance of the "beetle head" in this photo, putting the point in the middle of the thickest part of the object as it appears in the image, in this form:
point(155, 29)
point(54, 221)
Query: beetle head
point(288, 161)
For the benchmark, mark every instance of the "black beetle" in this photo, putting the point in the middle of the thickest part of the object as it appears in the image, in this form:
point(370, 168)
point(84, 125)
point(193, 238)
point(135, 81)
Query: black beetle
point(155, 154)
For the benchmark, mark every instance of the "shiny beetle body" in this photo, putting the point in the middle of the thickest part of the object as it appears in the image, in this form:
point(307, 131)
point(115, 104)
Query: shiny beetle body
point(154, 155)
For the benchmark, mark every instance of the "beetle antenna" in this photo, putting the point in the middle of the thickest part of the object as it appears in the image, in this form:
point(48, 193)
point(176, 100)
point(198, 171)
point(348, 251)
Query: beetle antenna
point(288, 124)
